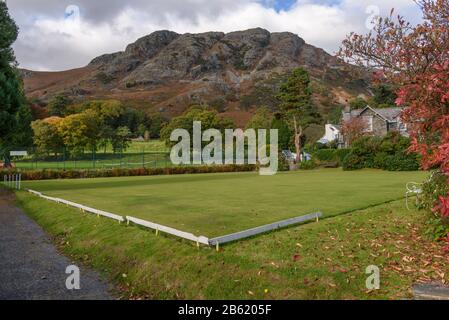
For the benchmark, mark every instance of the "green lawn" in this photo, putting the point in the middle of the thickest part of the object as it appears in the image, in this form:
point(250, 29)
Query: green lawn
point(325, 260)
point(218, 204)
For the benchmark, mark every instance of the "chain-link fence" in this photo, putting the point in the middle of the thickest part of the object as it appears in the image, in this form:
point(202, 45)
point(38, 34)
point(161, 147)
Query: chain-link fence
point(32, 159)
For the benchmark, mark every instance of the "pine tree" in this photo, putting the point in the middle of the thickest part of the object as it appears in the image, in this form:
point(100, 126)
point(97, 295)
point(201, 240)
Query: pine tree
point(296, 105)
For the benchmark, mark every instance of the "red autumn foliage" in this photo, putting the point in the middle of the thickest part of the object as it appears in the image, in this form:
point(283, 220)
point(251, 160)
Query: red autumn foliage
point(354, 129)
point(415, 59)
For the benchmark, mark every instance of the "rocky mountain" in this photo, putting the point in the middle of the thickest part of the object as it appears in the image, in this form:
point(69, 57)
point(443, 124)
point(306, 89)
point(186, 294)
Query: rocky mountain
point(234, 73)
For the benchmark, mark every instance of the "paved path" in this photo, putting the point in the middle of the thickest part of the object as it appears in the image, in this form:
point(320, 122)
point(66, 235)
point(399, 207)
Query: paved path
point(31, 267)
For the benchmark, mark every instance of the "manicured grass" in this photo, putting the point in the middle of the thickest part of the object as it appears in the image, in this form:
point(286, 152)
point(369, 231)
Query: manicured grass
point(324, 260)
point(218, 204)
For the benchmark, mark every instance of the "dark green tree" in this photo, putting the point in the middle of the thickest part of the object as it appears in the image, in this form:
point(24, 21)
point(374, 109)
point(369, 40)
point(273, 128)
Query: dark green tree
point(157, 122)
point(384, 96)
point(357, 103)
point(284, 132)
point(12, 99)
point(24, 134)
point(58, 105)
point(296, 105)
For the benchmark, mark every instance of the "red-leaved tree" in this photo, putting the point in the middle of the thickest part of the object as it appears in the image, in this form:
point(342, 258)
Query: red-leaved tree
point(353, 129)
point(416, 59)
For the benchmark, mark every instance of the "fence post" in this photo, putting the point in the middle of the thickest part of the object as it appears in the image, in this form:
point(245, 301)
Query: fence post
point(143, 157)
point(20, 181)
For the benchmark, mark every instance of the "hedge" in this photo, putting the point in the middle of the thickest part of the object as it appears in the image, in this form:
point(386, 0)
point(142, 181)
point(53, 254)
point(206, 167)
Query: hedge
point(102, 173)
point(331, 155)
point(387, 153)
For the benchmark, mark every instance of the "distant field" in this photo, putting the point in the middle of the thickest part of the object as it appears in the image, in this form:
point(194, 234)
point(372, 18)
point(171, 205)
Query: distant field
point(218, 204)
point(153, 154)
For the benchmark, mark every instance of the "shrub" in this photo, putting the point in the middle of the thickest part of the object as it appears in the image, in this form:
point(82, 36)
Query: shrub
point(353, 162)
point(308, 165)
point(326, 156)
point(437, 229)
point(118, 172)
point(387, 153)
point(436, 186)
point(283, 164)
point(401, 161)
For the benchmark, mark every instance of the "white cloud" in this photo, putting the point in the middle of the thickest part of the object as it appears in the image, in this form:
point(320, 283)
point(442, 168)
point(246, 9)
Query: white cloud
point(52, 42)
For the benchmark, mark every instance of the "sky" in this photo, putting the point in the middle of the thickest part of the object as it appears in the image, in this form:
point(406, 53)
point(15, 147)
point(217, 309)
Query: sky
point(65, 34)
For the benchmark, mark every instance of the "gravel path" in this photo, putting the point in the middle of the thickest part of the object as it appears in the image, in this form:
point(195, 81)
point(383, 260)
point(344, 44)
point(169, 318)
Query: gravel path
point(31, 267)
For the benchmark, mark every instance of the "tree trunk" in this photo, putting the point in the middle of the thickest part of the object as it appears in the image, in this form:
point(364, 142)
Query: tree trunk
point(298, 135)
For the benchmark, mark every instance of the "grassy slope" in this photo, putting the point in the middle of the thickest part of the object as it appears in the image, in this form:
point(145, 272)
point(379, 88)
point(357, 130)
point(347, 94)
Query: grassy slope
point(324, 260)
point(218, 204)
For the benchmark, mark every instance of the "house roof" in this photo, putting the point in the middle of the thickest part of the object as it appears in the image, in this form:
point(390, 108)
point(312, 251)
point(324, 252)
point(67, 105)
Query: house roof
point(388, 114)
point(336, 126)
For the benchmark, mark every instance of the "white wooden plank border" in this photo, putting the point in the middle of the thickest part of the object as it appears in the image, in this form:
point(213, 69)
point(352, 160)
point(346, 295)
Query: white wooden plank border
point(262, 229)
point(80, 206)
point(172, 231)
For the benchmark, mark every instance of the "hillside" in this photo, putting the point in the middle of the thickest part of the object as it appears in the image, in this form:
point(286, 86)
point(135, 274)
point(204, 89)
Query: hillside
point(235, 73)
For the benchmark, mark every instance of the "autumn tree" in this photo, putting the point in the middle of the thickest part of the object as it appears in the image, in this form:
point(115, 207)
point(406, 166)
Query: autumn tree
point(353, 129)
point(415, 59)
point(46, 136)
point(80, 131)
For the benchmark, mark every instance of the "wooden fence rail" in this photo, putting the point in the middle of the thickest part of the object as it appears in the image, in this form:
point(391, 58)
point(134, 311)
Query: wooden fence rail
point(172, 231)
point(262, 229)
point(80, 206)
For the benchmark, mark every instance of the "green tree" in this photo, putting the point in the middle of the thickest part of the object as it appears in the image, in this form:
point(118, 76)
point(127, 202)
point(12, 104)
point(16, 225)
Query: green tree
point(24, 134)
point(384, 96)
point(261, 120)
point(12, 98)
point(57, 106)
point(357, 103)
point(209, 120)
point(296, 105)
point(157, 122)
point(284, 132)
point(46, 136)
point(120, 141)
point(335, 114)
point(80, 131)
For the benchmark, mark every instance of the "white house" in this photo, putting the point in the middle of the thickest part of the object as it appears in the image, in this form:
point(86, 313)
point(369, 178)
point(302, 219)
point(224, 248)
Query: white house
point(332, 134)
